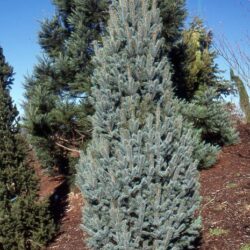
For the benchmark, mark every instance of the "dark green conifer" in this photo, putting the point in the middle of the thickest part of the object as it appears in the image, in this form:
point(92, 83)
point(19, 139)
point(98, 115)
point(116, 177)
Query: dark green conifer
point(56, 109)
point(25, 221)
point(173, 14)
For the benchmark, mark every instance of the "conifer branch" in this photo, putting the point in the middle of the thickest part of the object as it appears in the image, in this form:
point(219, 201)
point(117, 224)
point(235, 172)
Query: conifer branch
point(66, 148)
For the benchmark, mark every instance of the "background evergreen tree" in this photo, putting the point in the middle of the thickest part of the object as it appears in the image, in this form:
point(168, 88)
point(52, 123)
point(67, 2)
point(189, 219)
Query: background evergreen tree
point(199, 85)
point(211, 116)
point(194, 63)
point(138, 177)
point(173, 14)
point(25, 221)
point(56, 109)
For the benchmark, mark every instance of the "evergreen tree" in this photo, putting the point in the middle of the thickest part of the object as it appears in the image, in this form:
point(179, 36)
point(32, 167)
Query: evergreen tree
point(210, 115)
point(25, 221)
point(199, 86)
point(56, 109)
point(194, 63)
point(244, 98)
point(138, 176)
point(173, 14)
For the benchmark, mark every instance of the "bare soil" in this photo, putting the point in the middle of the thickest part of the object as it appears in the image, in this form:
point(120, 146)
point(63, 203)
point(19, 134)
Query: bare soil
point(225, 208)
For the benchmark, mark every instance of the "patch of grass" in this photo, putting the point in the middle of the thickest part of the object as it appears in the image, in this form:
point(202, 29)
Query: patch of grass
point(220, 207)
point(247, 208)
point(217, 231)
point(231, 185)
point(245, 247)
point(206, 198)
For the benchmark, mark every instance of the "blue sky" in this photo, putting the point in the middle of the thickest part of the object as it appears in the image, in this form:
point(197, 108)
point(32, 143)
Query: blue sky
point(19, 26)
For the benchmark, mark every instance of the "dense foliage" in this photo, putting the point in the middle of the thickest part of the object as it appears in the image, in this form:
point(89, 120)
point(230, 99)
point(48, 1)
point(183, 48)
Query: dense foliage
point(25, 221)
point(56, 109)
point(138, 176)
point(194, 64)
point(198, 84)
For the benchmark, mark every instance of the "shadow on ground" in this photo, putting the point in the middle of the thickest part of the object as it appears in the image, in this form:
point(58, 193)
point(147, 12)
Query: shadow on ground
point(59, 202)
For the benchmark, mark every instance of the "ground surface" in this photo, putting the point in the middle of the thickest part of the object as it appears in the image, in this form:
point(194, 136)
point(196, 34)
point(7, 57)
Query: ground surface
point(225, 207)
point(226, 198)
point(66, 208)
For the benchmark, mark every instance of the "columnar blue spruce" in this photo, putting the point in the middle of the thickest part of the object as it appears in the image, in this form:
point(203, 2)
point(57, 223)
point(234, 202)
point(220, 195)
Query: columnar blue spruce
point(138, 176)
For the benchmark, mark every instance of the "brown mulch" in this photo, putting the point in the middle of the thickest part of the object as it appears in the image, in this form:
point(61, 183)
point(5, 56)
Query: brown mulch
point(225, 209)
point(66, 207)
point(225, 189)
point(70, 235)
